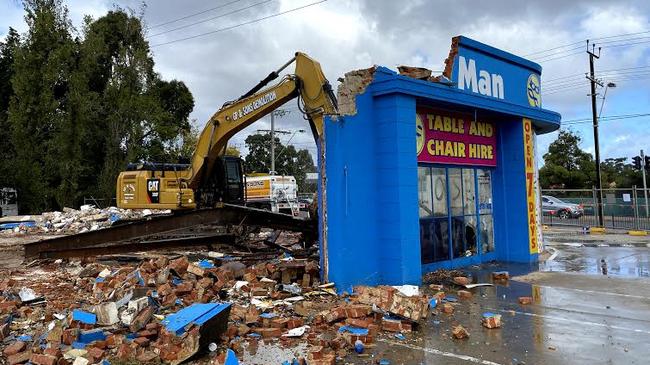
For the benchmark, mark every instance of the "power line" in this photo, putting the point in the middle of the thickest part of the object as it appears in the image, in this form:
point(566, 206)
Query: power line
point(607, 118)
point(212, 18)
point(240, 24)
point(193, 15)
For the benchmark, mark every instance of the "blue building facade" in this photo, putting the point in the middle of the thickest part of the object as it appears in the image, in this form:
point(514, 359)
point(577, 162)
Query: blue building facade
point(434, 172)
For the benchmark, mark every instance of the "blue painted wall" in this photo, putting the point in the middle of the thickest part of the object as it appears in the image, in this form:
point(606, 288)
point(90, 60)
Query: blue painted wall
point(371, 175)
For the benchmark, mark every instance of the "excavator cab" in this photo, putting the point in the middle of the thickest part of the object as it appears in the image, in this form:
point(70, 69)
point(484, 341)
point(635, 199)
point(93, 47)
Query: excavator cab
point(225, 185)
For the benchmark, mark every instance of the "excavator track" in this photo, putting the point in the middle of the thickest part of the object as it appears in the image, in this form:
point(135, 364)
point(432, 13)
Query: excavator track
point(136, 236)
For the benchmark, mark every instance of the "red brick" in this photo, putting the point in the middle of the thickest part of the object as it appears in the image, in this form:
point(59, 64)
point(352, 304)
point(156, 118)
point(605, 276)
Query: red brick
point(14, 348)
point(269, 332)
point(459, 332)
point(359, 322)
point(464, 294)
point(447, 308)
point(19, 358)
point(184, 288)
point(54, 351)
point(395, 325)
point(461, 280)
point(295, 323)
point(146, 357)
point(39, 359)
point(525, 300)
point(96, 353)
point(179, 265)
point(124, 352)
point(70, 335)
point(142, 341)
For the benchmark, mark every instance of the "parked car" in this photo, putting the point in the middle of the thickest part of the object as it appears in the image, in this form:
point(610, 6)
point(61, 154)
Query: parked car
point(561, 209)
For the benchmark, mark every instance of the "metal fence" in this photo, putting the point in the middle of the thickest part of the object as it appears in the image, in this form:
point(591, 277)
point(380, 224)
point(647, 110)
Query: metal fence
point(623, 208)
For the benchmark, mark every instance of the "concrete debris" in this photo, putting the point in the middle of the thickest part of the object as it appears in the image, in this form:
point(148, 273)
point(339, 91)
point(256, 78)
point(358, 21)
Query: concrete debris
point(353, 84)
point(72, 221)
point(392, 301)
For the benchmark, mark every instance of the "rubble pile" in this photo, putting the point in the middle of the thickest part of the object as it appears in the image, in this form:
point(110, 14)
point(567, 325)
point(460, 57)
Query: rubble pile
point(72, 221)
point(171, 308)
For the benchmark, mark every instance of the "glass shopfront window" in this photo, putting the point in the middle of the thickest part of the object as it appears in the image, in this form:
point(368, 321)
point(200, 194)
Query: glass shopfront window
point(455, 212)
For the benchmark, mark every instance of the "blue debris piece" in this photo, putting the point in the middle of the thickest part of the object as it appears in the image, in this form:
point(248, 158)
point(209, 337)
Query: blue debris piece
point(231, 358)
point(488, 314)
point(139, 277)
point(99, 280)
point(255, 335)
point(114, 217)
point(354, 330)
point(433, 303)
point(17, 224)
point(79, 345)
point(400, 336)
point(105, 362)
point(84, 317)
point(358, 346)
point(198, 314)
point(450, 298)
point(176, 281)
point(268, 315)
point(206, 264)
point(25, 338)
point(178, 301)
point(384, 362)
point(92, 336)
point(131, 336)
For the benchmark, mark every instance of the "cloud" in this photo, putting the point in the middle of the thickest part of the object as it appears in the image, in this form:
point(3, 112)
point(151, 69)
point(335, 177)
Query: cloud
point(349, 34)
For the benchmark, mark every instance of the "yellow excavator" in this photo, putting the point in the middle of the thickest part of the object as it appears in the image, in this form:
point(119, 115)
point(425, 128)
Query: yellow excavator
point(212, 178)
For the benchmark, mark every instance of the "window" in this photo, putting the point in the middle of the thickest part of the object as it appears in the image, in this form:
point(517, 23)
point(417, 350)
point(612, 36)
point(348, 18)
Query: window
point(455, 206)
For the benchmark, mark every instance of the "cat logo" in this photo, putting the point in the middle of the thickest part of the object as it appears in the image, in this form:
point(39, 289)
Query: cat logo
point(153, 190)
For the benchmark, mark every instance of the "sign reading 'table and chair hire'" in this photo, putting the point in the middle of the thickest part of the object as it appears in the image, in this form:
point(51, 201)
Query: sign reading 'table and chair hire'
point(449, 138)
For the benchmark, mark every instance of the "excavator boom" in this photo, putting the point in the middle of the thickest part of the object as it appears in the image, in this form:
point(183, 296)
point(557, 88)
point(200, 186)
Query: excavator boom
point(210, 177)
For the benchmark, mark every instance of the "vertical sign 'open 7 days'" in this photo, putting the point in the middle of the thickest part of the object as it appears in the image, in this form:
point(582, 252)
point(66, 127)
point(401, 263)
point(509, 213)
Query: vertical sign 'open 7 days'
point(453, 138)
point(531, 202)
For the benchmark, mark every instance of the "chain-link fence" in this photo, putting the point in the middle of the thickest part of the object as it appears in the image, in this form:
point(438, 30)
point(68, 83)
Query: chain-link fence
point(623, 208)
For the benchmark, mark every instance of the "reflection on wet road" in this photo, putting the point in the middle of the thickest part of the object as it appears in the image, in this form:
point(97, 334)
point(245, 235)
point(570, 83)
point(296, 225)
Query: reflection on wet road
point(578, 315)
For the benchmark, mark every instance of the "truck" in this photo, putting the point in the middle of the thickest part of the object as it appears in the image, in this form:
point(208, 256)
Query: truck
point(212, 179)
point(275, 193)
point(8, 202)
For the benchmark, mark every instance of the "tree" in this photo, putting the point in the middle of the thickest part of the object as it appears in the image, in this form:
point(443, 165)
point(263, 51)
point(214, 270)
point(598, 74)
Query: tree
point(566, 165)
point(39, 104)
point(75, 110)
point(7, 154)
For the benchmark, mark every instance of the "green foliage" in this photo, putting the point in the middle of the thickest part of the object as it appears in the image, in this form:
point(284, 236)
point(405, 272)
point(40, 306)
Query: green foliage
point(76, 110)
point(566, 165)
point(288, 161)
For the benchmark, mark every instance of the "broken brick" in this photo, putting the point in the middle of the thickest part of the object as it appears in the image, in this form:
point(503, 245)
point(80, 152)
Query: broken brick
point(525, 300)
point(461, 280)
point(40, 359)
point(447, 308)
point(464, 294)
point(14, 348)
point(19, 358)
point(459, 332)
point(271, 332)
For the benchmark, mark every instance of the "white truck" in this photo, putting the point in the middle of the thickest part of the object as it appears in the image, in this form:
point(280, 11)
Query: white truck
point(275, 193)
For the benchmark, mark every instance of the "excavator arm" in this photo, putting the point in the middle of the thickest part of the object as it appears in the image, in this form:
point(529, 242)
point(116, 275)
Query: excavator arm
point(176, 189)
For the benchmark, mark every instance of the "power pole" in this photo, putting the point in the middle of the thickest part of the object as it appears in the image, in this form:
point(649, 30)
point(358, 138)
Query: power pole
point(645, 188)
point(280, 113)
point(272, 172)
point(594, 116)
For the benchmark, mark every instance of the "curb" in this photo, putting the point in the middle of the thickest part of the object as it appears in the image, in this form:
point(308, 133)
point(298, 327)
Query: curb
point(593, 230)
point(637, 233)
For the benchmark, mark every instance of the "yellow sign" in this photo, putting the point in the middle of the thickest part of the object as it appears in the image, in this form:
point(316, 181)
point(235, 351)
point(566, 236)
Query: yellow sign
point(531, 202)
point(533, 91)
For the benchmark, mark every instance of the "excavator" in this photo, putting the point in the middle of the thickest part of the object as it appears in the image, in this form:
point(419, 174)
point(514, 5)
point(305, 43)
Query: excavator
point(212, 178)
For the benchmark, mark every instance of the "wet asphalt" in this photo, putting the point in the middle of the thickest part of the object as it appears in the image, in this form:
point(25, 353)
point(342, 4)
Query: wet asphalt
point(591, 305)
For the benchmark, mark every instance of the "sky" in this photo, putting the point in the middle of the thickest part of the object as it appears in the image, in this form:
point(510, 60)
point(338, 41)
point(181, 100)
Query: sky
point(343, 35)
